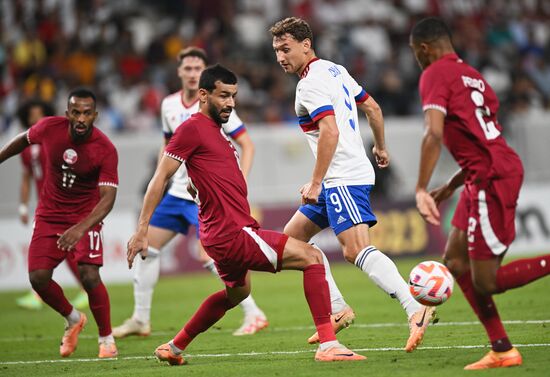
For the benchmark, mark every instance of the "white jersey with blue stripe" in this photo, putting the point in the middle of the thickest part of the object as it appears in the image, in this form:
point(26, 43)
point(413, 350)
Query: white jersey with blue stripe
point(173, 113)
point(326, 89)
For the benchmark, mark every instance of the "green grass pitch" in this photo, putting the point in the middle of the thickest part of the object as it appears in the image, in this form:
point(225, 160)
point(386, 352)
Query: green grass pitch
point(29, 341)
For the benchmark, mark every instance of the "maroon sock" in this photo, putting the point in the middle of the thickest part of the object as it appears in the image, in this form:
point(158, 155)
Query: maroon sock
point(53, 295)
point(101, 308)
point(486, 310)
point(73, 266)
point(210, 312)
point(523, 271)
point(318, 299)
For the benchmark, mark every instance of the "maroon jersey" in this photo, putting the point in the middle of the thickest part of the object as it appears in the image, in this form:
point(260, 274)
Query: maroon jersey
point(73, 171)
point(34, 160)
point(213, 167)
point(472, 132)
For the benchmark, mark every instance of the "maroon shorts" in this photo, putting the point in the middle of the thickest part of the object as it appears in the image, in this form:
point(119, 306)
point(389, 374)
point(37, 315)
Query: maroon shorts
point(251, 249)
point(45, 255)
point(487, 215)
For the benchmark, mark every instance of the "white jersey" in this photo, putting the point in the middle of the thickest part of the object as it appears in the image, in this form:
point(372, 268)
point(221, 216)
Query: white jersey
point(173, 113)
point(328, 89)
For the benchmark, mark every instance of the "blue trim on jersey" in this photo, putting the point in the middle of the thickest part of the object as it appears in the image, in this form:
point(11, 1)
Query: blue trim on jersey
point(320, 110)
point(305, 119)
point(176, 214)
point(341, 208)
point(237, 131)
point(361, 97)
point(168, 135)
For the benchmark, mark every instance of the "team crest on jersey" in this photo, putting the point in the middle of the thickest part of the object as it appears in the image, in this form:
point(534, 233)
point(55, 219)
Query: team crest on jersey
point(70, 156)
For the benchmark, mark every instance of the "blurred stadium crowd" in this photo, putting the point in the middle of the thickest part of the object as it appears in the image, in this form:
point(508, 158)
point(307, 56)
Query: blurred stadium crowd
point(125, 50)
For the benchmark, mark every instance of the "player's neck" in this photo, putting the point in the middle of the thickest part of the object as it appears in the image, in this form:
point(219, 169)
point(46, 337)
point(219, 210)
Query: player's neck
point(188, 97)
point(309, 58)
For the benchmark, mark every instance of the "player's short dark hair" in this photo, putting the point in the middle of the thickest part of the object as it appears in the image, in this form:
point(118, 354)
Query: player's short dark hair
point(298, 28)
point(196, 52)
point(25, 109)
point(215, 73)
point(430, 29)
point(81, 93)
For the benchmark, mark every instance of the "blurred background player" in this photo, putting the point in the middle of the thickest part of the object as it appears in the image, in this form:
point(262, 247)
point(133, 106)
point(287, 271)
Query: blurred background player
point(231, 236)
point(178, 211)
point(327, 99)
point(460, 110)
point(33, 160)
point(79, 190)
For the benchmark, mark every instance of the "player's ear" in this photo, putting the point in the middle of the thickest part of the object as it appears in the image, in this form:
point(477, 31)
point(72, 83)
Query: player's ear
point(203, 94)
point(307, 44)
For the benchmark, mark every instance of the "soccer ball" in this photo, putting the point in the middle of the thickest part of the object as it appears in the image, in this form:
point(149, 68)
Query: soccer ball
point(431, 283)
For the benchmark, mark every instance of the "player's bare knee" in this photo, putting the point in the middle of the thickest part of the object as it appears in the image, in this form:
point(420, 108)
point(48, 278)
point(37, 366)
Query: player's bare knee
point(89, 278)
point(39, 279)
point(457, 266)
point(313, 256)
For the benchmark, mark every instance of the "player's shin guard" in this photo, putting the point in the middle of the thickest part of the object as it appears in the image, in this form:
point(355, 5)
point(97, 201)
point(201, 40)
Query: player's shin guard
point(210, 312)
point(521, 272)
point(383, 272)
point(337, 301)
point(52, 294)
point(318, 298)
point(101, 308)
point(486, 311)
point(146, 276)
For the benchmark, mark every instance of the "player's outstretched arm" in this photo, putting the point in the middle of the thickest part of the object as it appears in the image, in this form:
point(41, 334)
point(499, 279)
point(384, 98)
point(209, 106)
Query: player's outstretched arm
point(429, 155)
point(374, 115)
point(71, 236)
point(14, 146)
point(247, 153)
point(138, 242)
point(445, 191)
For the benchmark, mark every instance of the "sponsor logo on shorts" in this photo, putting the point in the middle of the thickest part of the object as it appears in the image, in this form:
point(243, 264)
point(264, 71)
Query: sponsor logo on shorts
point(92, 255)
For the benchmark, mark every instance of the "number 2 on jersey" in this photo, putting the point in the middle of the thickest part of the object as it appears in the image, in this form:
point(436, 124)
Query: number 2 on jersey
point(489, 128)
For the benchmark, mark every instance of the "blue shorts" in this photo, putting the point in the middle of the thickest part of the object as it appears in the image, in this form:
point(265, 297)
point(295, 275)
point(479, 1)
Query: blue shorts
point(176, 214)
point(341, 208)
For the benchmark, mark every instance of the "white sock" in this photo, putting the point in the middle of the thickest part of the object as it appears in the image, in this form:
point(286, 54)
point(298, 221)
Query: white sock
point(73, 317)
point(211, 267)
point(106, 339)
point(175, 349)
point(146, 277)
point(385, 275)
point(337, 301)
point(326, 345)
point(248, 305)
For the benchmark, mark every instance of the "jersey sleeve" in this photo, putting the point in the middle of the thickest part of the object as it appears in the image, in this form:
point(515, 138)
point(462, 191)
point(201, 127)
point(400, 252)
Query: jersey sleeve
point(314, 96)
point(234, 126)
point(185, 141)
point(355, 89)
point(165, 125)
point(434, 92)
point(36, 133)
point(108, 175)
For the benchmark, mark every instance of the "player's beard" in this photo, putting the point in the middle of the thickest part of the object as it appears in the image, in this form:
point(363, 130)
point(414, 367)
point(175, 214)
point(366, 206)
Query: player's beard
point(78, 136)
point(215, 114)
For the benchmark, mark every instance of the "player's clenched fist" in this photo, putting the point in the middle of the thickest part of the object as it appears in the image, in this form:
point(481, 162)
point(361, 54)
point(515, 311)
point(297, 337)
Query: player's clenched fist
point(137, 244)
